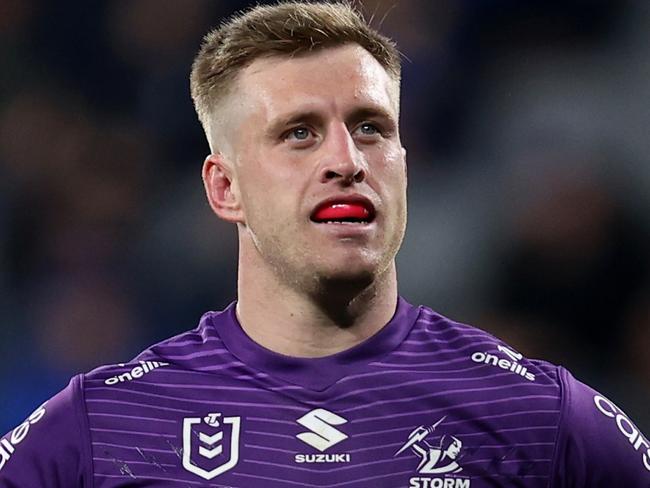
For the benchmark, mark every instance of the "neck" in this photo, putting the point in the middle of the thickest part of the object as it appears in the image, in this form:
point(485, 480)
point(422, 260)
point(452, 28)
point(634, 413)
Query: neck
point(290, 321)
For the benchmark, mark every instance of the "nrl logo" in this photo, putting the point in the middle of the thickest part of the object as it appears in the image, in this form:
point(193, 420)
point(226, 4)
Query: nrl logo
point(210, 444)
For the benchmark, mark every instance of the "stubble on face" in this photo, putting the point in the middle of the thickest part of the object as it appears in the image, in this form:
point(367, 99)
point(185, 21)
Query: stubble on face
point(279, 185)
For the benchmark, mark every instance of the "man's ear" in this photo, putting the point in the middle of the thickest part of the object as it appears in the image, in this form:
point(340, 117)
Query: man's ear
point(221, 189)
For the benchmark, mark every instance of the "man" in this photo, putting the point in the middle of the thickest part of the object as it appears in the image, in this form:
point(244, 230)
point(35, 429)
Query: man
point(319, 372)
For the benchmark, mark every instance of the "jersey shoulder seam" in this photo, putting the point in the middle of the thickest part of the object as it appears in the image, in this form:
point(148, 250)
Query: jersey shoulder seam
point(565, 401)
point(86, 443)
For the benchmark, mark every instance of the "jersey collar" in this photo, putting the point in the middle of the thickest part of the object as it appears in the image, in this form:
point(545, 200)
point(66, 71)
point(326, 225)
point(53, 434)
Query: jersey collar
point(313, 373)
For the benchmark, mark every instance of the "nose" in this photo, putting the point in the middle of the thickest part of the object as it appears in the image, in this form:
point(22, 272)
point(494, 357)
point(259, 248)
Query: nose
point(342, 161)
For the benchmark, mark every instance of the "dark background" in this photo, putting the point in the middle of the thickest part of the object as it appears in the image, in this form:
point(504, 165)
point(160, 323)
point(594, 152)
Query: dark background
point(526, 125)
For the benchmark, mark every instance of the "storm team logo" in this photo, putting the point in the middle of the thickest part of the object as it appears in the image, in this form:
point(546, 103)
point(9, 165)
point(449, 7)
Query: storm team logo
point(434, 459)
point(210, 444)
point(439, 454)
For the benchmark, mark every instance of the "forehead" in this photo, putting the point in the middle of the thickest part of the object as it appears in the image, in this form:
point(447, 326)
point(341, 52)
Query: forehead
point(337, 79)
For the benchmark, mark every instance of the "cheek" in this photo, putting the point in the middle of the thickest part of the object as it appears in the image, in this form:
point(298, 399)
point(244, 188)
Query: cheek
point(267, 201)
point(394, 175)
point(255, 179)
point(390, 157)
point(394, 189)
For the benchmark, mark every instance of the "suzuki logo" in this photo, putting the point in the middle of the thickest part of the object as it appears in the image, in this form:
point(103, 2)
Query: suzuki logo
point(322, 435)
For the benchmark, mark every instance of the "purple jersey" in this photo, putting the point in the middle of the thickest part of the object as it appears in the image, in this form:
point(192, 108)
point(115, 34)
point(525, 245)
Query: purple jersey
point(424, 403)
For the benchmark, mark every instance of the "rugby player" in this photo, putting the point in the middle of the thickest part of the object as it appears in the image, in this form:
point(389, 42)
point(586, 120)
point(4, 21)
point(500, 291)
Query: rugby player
point(319, 375)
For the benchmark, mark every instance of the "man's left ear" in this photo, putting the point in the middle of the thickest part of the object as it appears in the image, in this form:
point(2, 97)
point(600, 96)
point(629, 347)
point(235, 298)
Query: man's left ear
point(221, 189)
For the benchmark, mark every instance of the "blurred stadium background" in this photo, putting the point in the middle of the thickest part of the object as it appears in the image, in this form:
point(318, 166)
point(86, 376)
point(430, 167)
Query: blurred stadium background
point(527, 128)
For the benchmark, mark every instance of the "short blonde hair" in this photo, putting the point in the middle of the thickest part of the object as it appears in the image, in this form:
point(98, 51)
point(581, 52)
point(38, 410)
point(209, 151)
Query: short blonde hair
point(285, 29)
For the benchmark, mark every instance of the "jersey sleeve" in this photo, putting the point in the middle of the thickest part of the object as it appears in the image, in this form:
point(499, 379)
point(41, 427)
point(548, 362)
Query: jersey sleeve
point(598, 445)
point(48, 449)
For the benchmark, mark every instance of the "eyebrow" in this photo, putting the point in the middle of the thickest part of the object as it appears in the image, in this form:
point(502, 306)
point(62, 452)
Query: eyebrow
point(293, 118)
point(370, 112)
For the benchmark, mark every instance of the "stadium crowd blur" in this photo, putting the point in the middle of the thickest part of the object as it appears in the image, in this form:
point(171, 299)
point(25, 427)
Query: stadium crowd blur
point(526, 124)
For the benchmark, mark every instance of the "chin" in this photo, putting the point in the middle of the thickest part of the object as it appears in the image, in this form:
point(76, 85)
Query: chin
point(352, 274)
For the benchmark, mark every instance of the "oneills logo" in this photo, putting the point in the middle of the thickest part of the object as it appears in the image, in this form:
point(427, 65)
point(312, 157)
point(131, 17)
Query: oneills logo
point(135, 373)
point(510, 364)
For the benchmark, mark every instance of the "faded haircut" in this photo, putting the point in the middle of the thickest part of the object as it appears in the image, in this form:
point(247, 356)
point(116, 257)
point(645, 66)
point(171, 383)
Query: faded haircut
point(285, 29)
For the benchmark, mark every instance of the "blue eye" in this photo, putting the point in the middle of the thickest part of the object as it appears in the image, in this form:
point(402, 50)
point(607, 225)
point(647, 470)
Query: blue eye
point(368, 129)
point(299, 133)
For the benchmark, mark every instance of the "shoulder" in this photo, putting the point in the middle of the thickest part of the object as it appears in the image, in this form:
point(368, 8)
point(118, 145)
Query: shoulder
point(494, 359)
point(178, 353)
point(598, 444)
point(51, 447)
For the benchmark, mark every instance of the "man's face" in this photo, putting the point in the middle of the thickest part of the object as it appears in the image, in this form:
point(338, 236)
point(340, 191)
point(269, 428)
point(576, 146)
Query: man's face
point(318, 165)
point(454, 449)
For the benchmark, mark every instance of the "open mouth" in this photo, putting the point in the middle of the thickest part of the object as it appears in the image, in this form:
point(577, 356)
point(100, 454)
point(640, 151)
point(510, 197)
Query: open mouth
point(340, 211)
